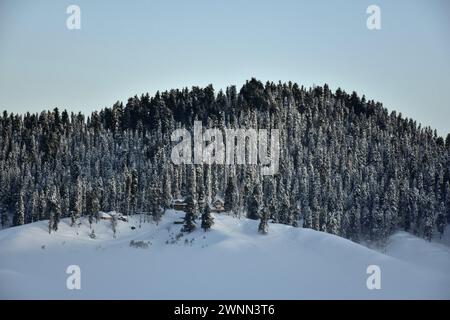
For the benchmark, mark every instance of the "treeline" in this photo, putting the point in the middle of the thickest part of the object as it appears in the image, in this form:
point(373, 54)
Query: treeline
point(347, 165)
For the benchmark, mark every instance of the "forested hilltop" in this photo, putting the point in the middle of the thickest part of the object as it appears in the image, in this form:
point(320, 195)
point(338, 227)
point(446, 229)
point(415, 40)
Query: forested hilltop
point(347, 165)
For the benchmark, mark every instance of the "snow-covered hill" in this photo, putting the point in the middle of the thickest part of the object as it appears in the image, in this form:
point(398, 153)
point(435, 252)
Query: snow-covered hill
point(232, 261)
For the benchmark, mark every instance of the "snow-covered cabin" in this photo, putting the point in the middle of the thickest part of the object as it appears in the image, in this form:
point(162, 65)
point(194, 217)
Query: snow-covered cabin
point(218, 205)
point(104, 216)
point(179, 204)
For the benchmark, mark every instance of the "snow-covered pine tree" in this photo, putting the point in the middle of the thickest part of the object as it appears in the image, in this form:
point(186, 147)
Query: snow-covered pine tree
point(200, 184)
point(191, 212)
point(390, 207)
point(77, 203)
point(334, 220)
point(134, 191)
point(42, 204)
point(263, 227)
point(254, 203)
point(65, 201)
point(127, 193)
point(429, 220)
point(231, 195)
point(111, 195)
point(441, 219)
point(307, 217)
point(166, 190)
point(191, 185)
point(378, 227)
point(314, 202)
point(34, 206)
point(155, 201)
point(214, 181)
point(207, 183)
point(284, 213)
point(92, 205)
point(207, 218)
point(270, 196)
point(54, 208)
point(447, 196)
point(19, 215)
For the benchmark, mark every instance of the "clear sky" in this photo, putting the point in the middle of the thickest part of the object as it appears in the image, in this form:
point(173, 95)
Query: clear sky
point(132, 47)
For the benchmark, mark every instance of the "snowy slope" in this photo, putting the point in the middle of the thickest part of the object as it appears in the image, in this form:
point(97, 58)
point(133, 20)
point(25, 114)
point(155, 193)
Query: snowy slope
point(232, 261)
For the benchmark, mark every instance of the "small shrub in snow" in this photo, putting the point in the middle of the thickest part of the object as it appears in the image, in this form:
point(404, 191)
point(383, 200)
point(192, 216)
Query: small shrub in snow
point(263, 227)
point(139, 244)
point(114, 225)
point(92, 234)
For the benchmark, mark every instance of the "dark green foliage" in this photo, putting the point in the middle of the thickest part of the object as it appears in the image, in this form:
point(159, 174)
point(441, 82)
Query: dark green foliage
point(207, 218)
point(263, 227)
point(19, 217)
point(231, 196)
point(191, 213)
point(155, 202)
point(254, 206)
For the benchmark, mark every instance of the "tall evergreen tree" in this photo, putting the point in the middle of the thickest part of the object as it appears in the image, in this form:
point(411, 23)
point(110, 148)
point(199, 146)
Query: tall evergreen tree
point(155, 202)
point(133, 191)
point(207, 219)
point(263, 227)
point(231, 195)
point(77, 203)
point(254, 205)
point(191, 213)
point(307, 218)
point(54, 209)
point(19, 218)
point(34, 206)
point(166, 190)
point(429, 222)
point(441, 221)
point(92, 206)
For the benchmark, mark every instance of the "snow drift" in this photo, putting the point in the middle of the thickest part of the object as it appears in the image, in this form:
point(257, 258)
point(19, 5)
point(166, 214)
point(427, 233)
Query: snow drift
point(231, 261)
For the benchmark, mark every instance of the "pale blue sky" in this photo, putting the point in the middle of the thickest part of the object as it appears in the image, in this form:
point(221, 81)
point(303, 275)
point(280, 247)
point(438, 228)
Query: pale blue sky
point(131, 47)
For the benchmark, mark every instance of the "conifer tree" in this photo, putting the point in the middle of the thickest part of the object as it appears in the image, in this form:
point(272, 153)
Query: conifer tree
point(207, 219)
point(133, 191)
point(231, 195)
point(77, 203)
point(167, 191)
point(263, 227)
point(189, 218)
point(54, 208)
point(307, 218)
point(92, 206)
point(254, 205)
point(155, 201)
point(429, 221)
point(441, 222)
point(34, 206)
point(20, 210)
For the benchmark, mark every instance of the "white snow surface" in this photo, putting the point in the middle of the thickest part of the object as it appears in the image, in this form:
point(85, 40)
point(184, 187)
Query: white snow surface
point(231, 261)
